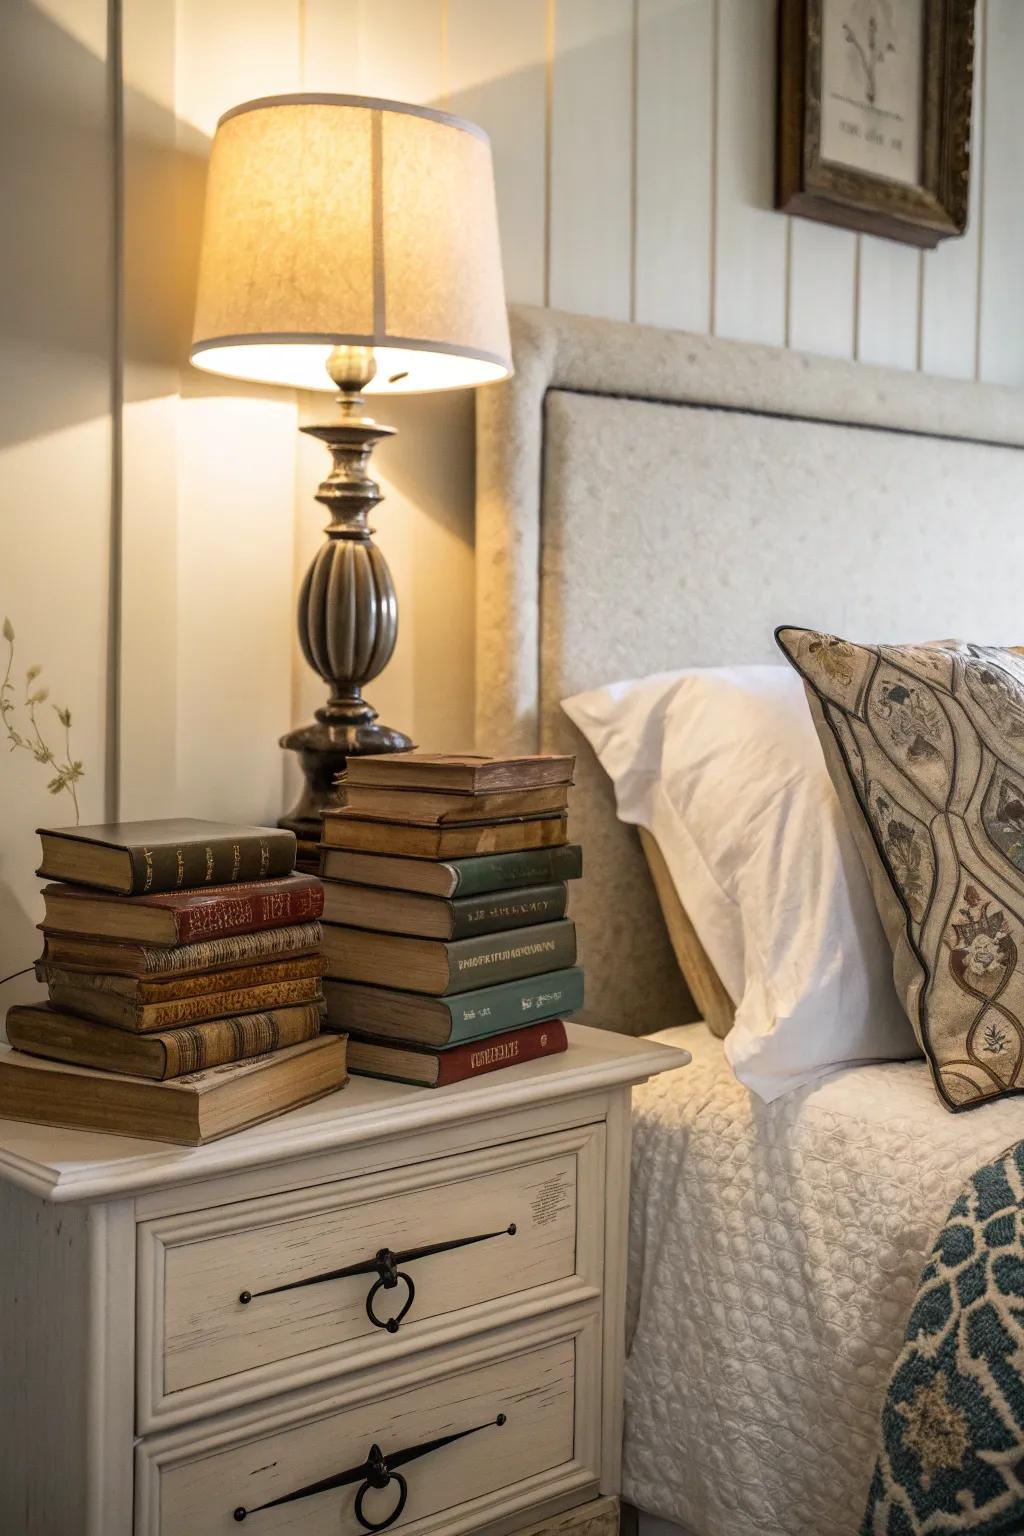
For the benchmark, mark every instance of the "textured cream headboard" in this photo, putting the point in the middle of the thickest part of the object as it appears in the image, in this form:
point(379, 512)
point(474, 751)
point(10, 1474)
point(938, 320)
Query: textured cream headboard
point(648, 500)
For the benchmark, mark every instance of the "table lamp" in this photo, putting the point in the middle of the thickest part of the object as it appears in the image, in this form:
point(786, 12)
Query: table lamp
point(349, 244)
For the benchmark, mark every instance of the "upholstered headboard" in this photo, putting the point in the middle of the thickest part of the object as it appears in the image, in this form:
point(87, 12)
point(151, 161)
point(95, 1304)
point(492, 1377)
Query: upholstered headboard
point(648, 500)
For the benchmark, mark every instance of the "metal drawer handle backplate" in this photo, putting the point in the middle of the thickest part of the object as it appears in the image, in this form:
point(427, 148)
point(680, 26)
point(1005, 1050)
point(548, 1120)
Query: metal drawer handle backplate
point(377, 1471)
point(386, 1265)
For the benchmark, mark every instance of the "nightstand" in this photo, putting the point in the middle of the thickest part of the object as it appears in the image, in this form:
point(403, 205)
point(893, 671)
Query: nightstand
point(393, 1297)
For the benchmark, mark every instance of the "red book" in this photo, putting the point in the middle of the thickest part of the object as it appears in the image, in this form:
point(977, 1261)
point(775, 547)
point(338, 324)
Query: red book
point(436, 1069)
point(183, 917)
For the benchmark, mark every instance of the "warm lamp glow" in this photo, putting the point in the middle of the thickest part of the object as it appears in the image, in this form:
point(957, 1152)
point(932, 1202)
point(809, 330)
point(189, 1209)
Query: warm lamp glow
point(343, 220)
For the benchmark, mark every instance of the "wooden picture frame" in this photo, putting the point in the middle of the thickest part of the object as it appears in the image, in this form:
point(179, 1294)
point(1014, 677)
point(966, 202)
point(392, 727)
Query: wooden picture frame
point(860, 156)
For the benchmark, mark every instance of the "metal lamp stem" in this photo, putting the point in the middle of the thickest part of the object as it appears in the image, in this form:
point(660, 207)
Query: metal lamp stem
point(348, 611)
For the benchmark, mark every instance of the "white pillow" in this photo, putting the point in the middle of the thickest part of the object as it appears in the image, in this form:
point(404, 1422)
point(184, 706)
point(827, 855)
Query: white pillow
point(723, 767)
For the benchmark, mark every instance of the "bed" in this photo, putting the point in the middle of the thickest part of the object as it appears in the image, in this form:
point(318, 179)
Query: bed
point(649, 500)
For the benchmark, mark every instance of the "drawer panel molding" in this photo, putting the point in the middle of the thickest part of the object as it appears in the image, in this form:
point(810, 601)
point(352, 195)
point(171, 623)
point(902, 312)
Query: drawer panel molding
point(263, 1295)
point(305, 1463)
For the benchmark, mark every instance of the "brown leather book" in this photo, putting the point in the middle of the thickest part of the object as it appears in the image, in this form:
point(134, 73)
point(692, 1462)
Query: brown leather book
point(432, 917)
point(447, 807)
point(183, 917)
point(127, 1012)
point(187, 1110)
point(267, 973)
point(171, 855)
point(470, 773)
point(436, 1069)
point(61, 1036)
point(348, 829)
point(244, 949)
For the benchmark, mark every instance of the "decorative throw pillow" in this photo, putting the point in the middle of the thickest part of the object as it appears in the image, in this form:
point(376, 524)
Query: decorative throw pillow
point(925, 746)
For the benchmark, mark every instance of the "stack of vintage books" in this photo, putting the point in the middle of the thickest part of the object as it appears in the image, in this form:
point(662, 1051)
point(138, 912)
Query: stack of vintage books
point(184, 969)
point(448, 948)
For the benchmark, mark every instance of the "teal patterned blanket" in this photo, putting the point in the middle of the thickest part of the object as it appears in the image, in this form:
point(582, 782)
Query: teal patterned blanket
point(952, 1442)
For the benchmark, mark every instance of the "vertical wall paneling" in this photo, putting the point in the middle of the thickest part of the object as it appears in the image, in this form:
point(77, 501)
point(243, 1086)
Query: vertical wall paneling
point(750, 238)
point(401, 49)
point(496, 76)
point(329, 44)
point(672, 239)
point(1001, 331)
point(949, 302)
point(888, 309)
point(591, 158)
point(57, 368)
point(822, 280)
point(159, 168)
point(236, 480)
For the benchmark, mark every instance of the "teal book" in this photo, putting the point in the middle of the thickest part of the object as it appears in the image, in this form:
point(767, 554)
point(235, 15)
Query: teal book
point(444, 1021)
point(451, 878)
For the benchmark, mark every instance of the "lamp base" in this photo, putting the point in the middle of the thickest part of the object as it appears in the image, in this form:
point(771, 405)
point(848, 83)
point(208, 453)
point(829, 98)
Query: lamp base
point(323, 751)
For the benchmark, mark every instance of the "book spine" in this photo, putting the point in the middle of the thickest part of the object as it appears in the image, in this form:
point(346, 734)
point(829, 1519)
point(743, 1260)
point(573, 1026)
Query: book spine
point(220, 1041)
point(504, 957)
point(505, 871)
point(243, 949)
point(258, 909)
point(130, 1013)
point(221, 861)
point(475, 1014)
point(509, 1050)
point(490, 914)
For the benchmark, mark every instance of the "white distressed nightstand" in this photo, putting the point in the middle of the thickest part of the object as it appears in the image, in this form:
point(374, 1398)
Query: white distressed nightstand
point(178, 1347)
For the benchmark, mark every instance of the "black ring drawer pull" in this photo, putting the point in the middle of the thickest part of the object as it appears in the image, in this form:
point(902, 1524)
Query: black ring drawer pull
point(377, 1471)
point(386, 1265)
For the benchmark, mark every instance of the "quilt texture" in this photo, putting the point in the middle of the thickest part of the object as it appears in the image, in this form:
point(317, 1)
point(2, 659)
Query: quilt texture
point(775, 1256)
point(952, 1455)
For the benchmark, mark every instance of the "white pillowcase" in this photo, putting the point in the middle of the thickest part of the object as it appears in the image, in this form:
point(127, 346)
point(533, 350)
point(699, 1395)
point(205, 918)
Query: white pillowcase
point(723, 767)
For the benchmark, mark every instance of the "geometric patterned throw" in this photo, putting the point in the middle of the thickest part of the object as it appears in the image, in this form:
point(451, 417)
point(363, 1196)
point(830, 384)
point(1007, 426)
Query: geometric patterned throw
point(925, 748)
point(952, 1452)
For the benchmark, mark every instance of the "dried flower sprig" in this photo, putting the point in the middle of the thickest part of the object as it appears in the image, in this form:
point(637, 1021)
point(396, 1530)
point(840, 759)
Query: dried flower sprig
point(66, 773)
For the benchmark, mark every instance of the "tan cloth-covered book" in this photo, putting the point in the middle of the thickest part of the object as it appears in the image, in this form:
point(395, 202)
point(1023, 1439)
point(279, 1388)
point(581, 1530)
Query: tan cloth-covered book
point(365, 834)
point(187, 1110)
point(464, 772)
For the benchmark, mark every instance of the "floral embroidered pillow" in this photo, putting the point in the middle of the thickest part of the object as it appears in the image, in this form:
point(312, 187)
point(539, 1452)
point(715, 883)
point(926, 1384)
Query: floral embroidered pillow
point(925, 746)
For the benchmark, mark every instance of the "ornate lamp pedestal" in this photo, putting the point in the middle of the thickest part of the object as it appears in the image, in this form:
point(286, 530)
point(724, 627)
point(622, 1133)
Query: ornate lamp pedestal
point(348, 612)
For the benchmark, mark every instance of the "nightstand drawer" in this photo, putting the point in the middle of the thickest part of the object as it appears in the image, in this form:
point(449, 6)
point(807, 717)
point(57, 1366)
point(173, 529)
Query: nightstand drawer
point(251, 1297)
point(463, 1438)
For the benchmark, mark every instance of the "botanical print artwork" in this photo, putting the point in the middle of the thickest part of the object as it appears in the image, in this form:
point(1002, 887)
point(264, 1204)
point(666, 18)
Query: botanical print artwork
point(931, 742)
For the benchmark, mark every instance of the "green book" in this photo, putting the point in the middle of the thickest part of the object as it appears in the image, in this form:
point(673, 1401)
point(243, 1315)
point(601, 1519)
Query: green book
point(443, 1021)
point(439, 966)
point(456, 877)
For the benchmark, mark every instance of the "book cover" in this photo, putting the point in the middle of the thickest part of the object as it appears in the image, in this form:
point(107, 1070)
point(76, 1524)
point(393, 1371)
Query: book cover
point(188, 959)
point(346, 829)
point(437, 966)
point(150, 856)
point(363, 906)
point(457, 877)
point(264, 973)
point(130, 1013)
point(183, 917)
point(467, 772)
point(190, 1110)
point(61, 1036)
point(410, 1017)
point(439, 1069)
point(432, 808)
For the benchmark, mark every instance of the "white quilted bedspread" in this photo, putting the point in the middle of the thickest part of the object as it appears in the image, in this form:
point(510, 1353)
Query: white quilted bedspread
point(774, 1254)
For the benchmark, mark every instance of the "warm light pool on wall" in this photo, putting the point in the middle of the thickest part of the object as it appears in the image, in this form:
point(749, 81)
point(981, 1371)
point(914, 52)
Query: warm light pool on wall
point(349, 244)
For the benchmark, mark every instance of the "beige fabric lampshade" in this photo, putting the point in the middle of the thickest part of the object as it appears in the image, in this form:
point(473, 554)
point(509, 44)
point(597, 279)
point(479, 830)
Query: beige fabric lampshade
point(347, 220)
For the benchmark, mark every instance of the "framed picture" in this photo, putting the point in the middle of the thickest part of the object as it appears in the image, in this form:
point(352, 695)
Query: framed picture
point(874, 119)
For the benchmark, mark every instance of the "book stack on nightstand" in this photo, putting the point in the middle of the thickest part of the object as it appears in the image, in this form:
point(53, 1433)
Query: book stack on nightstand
point(448, 948)
point(182, 961)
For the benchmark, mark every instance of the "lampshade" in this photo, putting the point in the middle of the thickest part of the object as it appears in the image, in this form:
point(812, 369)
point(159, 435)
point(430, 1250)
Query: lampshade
point(347, 220)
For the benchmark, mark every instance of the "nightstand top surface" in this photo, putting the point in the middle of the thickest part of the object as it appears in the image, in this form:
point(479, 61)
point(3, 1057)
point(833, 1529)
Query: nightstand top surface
point(67, 1165)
